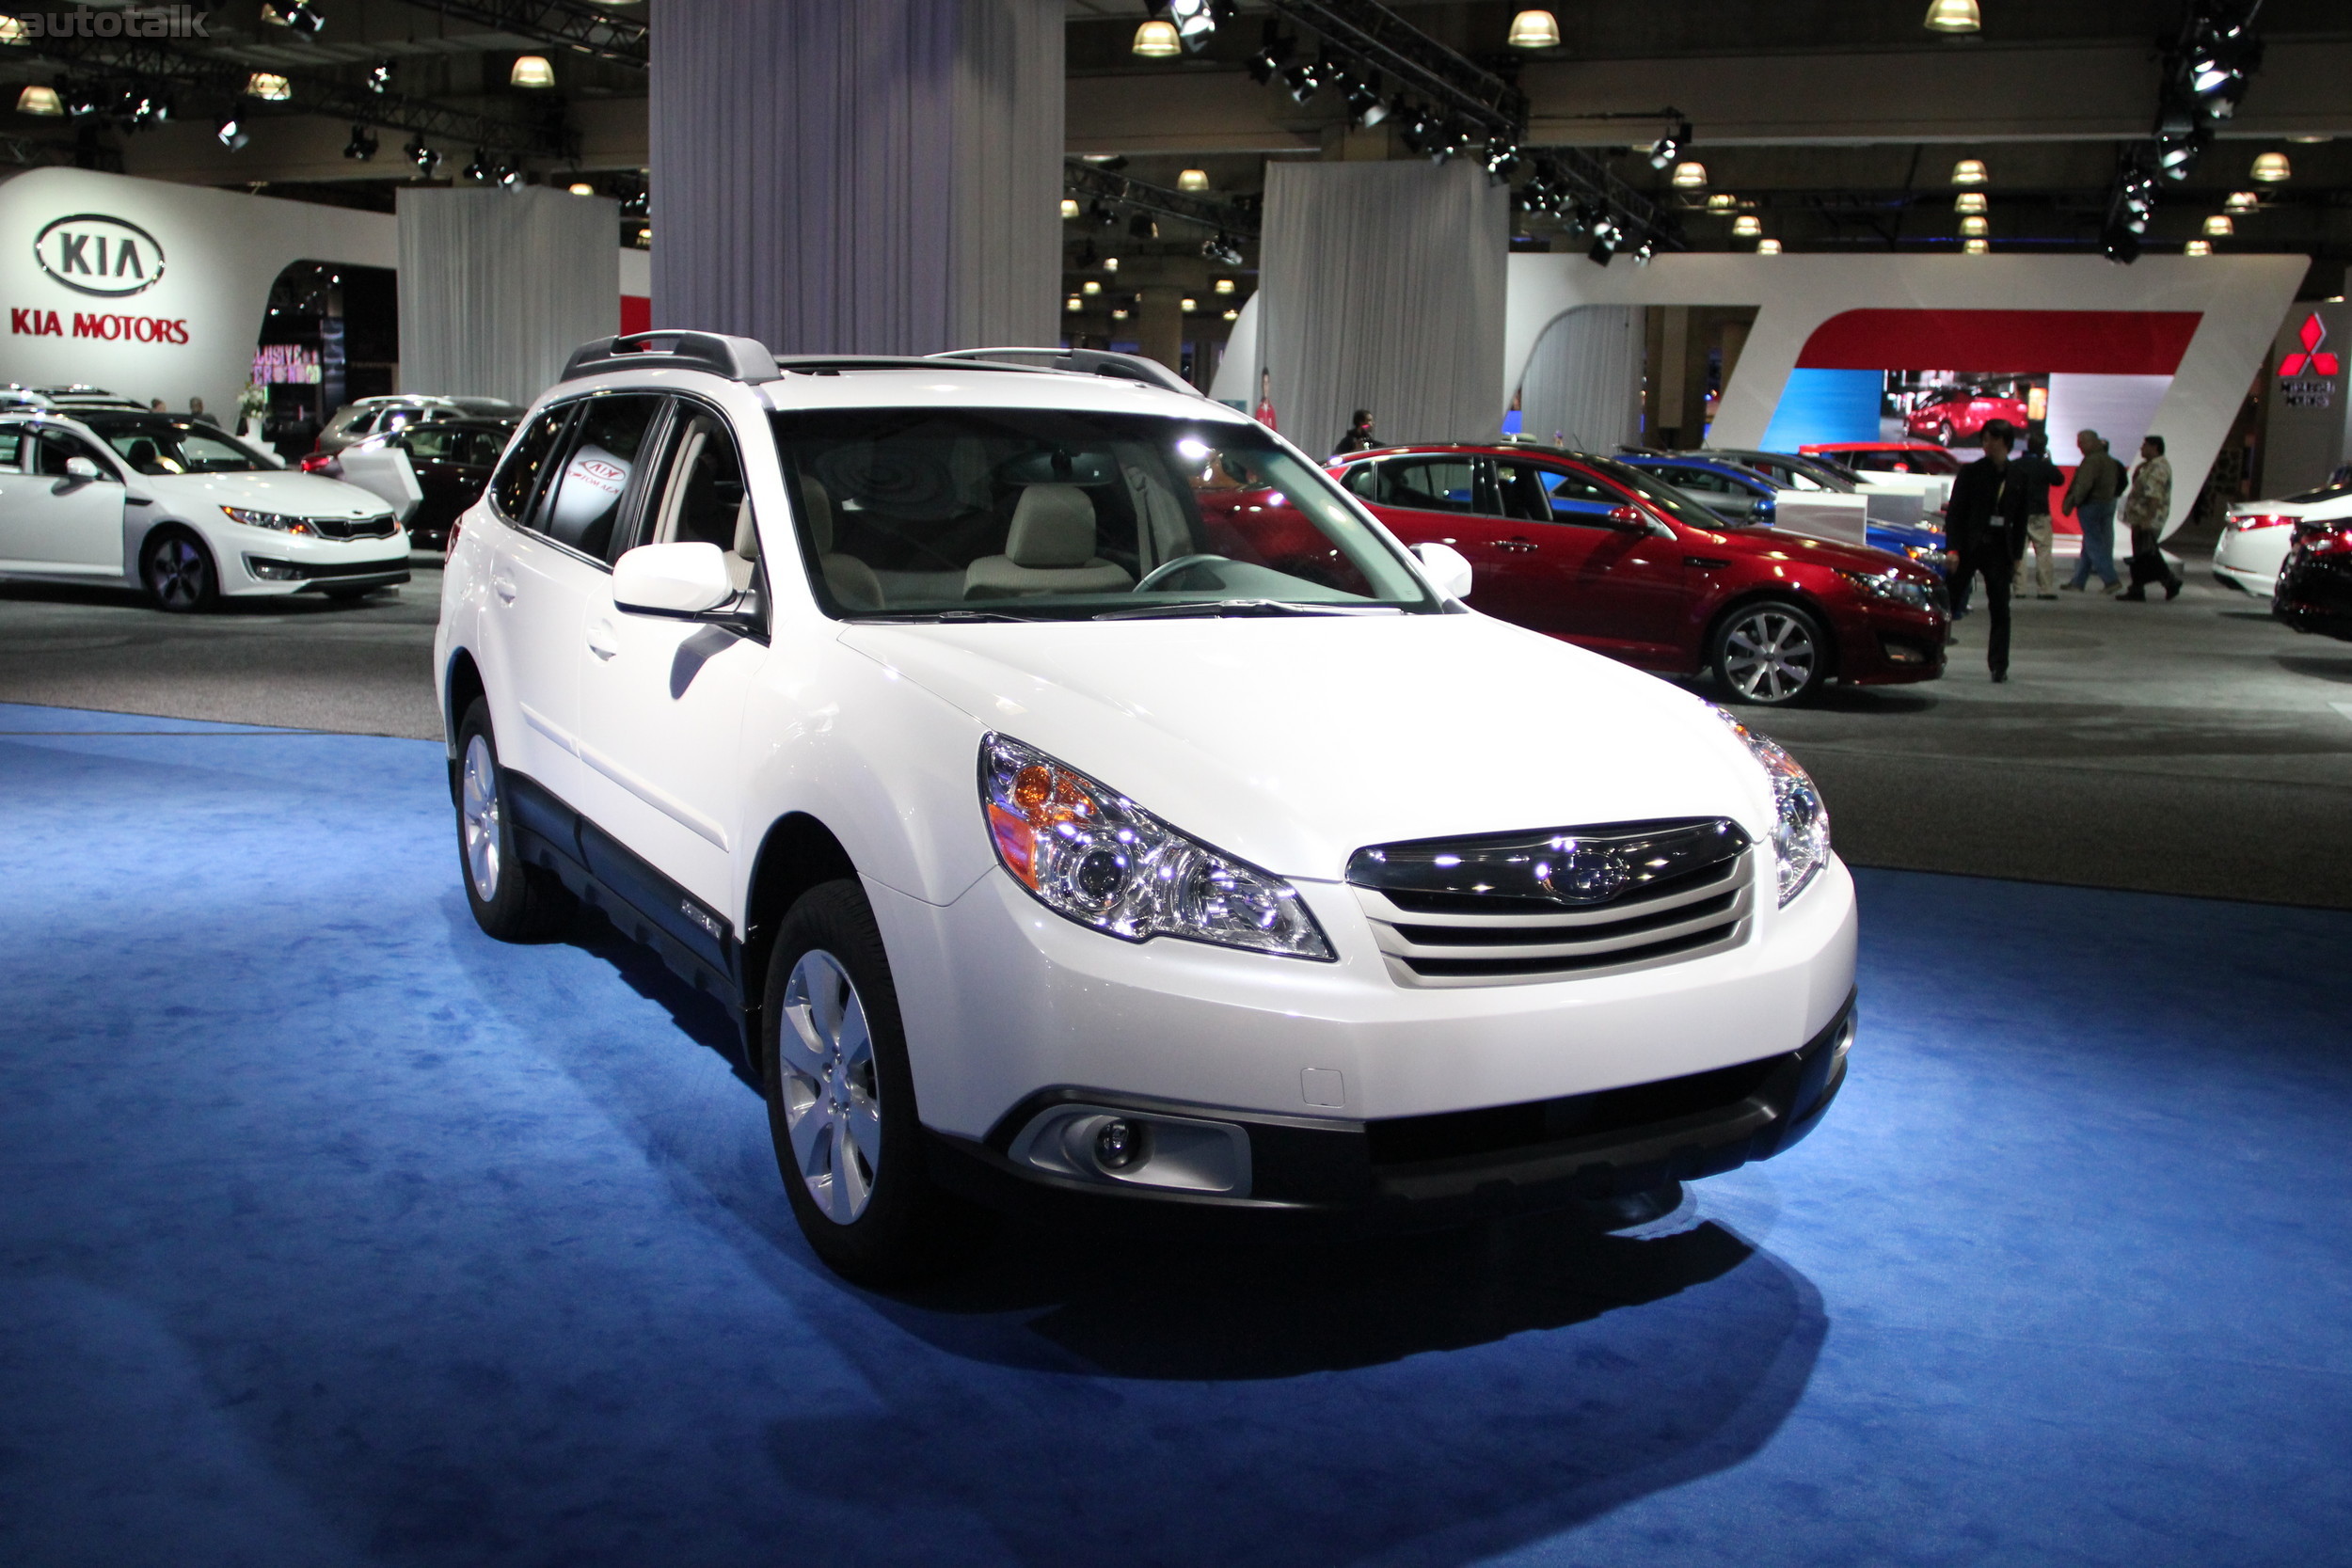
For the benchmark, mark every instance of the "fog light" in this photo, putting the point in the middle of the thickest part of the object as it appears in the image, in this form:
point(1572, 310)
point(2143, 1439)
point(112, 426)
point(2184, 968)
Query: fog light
point(1118, 1145)
point(271, 571)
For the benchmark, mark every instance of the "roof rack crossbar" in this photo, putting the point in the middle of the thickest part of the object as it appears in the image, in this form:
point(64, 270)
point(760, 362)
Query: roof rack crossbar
point(736, 358)
point(1088, 361)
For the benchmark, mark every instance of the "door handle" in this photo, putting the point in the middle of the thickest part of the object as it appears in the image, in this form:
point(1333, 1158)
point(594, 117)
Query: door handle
point(1521, 546)
point(602, 641)
point(503, 586)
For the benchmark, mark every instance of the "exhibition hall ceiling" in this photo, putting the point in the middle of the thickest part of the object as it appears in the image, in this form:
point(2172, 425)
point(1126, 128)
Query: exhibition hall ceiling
point(1834, 126)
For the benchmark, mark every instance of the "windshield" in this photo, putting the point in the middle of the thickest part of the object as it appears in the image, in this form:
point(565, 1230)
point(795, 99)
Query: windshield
point(155, 444)
point(1902, 460)
point(1047, 514)
point(1661, 495)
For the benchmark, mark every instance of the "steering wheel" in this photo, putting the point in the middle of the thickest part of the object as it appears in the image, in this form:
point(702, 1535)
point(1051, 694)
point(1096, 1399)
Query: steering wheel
point(1170, 568)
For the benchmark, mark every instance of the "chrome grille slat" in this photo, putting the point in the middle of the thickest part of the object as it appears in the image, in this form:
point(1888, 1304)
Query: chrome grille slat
point(1431, 934)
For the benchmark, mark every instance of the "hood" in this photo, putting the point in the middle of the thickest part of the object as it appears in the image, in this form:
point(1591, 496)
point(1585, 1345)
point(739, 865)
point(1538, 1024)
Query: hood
point(1293, 742)
point(1779, 543)
point(290, 491)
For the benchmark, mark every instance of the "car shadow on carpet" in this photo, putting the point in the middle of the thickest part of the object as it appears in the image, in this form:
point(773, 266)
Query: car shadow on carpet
point(1073, 1397)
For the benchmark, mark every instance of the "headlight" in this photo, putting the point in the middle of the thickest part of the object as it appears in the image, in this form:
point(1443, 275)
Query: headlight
point(268, 519)
point(1800, 820)
point(1091, 855)
point(1889, 586)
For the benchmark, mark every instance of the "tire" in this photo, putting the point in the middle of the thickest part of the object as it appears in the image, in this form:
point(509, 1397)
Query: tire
point(1943, 434)
point(841, 1099)
point(1771, 653)
point(178, 572)
point(511, 901)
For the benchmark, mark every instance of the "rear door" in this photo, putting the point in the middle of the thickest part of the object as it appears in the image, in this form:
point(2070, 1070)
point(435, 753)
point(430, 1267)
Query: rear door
point(1614, 587)
point(1449, 498)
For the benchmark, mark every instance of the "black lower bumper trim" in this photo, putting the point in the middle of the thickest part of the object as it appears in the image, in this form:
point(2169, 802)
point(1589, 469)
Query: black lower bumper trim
point(1426, 1172)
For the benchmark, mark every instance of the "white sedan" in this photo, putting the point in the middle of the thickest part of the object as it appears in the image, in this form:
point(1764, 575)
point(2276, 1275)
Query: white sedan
point(2255, 540)
point(182, 510)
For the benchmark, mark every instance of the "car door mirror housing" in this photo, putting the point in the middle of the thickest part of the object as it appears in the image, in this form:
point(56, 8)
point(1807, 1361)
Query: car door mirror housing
point(1447, 568)
point(684, 580)
point(1627, 516)
point(82, 468)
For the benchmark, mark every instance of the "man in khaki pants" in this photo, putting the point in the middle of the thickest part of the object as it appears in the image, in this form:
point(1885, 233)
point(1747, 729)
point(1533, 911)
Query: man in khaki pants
point(2031, 474)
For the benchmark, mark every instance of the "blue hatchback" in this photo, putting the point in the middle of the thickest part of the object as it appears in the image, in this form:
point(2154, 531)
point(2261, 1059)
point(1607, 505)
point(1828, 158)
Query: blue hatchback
point(1741, 496)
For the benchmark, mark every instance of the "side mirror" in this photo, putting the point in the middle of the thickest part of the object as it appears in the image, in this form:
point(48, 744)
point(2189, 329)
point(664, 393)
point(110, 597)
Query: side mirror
point(82, 469)
point(1627, 516)
point(1763, 511)
point(680, 581)
point(1448, 569)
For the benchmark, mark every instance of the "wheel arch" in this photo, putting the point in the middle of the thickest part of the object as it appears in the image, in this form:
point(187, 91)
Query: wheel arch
point(797, 853)
point(461, 687)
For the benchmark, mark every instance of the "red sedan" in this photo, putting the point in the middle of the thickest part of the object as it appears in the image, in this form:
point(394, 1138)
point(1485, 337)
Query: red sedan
point(1951, 412)
point(1599, 554)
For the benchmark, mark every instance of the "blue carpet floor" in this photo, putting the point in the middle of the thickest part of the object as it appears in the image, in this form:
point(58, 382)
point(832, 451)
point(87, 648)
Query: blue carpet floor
point(333, 1232)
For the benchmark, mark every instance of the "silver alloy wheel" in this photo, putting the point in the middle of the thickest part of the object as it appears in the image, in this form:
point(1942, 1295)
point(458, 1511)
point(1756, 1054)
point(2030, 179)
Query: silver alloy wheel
point(831, 1099)
point(1768, 655)
point(478, 818)
point(175, 569)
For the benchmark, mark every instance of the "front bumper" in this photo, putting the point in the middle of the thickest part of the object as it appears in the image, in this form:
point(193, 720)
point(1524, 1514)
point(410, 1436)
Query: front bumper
point(1409, 1172)
point(314, 577)
point(1888, 645)
point(2316, 595)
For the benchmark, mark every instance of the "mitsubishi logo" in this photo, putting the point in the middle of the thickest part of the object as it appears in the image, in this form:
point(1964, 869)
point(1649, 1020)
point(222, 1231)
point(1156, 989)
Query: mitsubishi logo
point(2311, 360)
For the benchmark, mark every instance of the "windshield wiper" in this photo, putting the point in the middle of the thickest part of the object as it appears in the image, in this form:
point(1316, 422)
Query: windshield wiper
point(1243, 607)
point(951, 617)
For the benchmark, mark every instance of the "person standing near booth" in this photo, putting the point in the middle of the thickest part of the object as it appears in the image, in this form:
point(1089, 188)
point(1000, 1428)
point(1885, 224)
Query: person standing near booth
point(1358, 437)
point(2031, 475)
point(2090, 499)
point(1986, 524)
point(2144, 512)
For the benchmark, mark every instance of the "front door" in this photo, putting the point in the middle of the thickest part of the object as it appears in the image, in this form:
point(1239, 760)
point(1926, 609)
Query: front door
point(1449, 498)
point(661, 700)
point(52, 521)
point(531, 624)
point(1615, 587)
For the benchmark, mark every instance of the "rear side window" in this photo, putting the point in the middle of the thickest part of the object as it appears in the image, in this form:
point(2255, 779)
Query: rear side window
point(11, 443)
point(517, 479)
point(1426, 484)
point(594, 485)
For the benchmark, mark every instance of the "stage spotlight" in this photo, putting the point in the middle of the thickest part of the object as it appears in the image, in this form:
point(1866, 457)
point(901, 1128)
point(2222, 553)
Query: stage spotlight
point(231, 135)
point(361, 147)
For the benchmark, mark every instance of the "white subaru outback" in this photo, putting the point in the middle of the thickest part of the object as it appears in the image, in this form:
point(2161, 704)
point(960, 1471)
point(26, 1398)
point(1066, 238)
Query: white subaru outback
point(1083, 803)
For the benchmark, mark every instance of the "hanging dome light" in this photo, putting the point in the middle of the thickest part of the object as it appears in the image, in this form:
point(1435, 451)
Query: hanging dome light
point(581, 188)
point(531, 71)
point(1969, 201)
point(1119, 314)
point(1534, 30)
point(2220, 227)
point(1974, 247)
point(1969, 171)
point(1110, 263)
point(2243, 202)
point(1156, 40)
point(1225, 285)
point(1723, 201)
point(1073, 303)
point(1233, 315)
point(39, 99)
point(1747, 226)
point(1069, 206)
point(1193, 180)
point(1187, 305)
point(1767, 248)
point(1690, 175)
point(1973, 225)
point(1091, 286)
point(268, 86)
point(2271, 168)
point(1953, 16)
point(2197, 247)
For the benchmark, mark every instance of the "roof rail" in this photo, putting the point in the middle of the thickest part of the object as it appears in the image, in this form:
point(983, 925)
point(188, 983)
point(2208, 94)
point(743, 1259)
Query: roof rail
point(736, 358)
point(1088, 361)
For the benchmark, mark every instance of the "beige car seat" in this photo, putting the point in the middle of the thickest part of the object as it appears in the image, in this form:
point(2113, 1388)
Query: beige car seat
point(1049, 550)
point(852, 580)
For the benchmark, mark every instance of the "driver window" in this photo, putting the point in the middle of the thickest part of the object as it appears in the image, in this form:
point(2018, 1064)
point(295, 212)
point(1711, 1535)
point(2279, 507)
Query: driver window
point(700, 499)
point(56, 446)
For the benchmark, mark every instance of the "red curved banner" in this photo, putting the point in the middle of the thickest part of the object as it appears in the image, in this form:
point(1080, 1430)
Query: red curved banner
point(2079, 342)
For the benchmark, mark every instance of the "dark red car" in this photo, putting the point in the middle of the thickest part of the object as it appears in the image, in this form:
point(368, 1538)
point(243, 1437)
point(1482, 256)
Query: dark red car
point(2315, 581)
point(1949, 413)
point(1886, 457)
point(1600, 554)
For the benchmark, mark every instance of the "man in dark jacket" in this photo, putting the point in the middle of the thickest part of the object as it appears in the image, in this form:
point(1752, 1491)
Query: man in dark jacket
point(1986, 525)
point(1358, 437)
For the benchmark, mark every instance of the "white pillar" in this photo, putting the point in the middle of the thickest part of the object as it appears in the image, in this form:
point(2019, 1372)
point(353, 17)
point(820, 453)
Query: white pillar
point(858, 176)
point(497, 288)
point(1382, 288)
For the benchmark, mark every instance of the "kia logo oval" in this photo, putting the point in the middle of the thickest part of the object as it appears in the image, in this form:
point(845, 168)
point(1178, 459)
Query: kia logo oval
point(94, 254)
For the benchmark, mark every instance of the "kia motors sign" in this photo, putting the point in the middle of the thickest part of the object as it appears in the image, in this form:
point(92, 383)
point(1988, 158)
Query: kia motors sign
point(94, 254)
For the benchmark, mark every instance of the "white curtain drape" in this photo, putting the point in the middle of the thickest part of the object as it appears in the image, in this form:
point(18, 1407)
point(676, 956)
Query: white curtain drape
point(1583, 383)
point(1382, 288)
point(858, 176)
point(497, 288)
